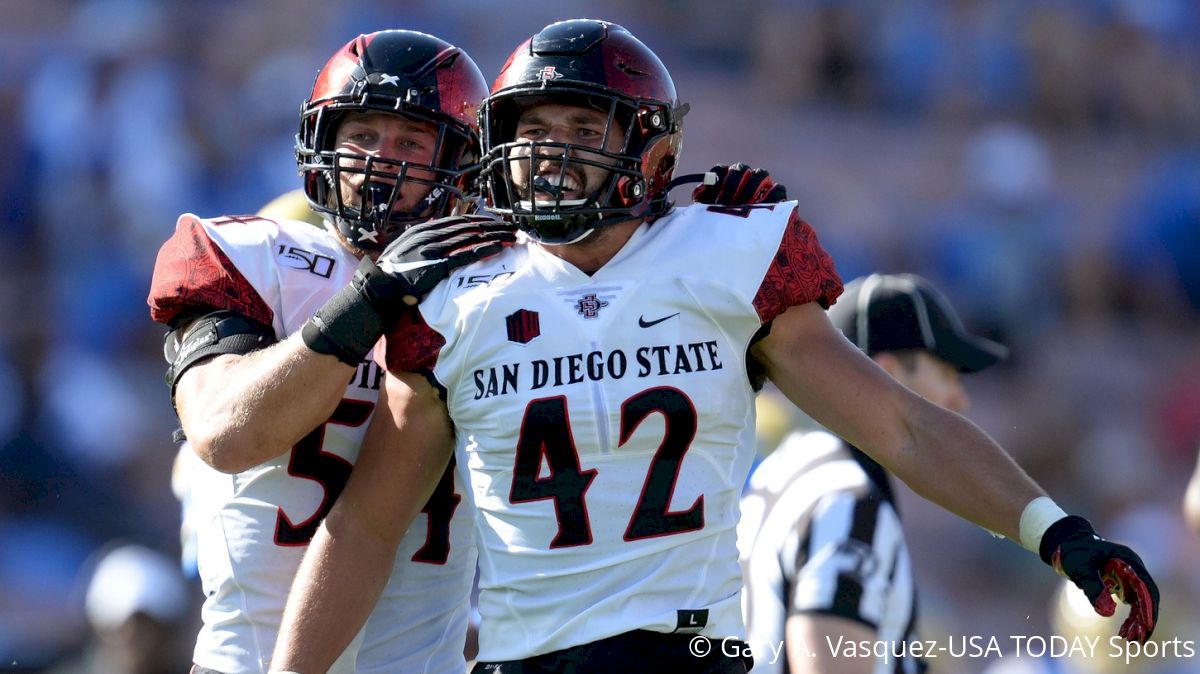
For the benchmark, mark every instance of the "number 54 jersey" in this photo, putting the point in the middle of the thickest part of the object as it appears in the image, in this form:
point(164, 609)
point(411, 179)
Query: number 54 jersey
point(252, 528)
point(605, 423)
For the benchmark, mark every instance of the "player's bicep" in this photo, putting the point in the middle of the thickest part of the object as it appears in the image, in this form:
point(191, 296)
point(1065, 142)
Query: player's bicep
point(404, 454)
point(814, 365)
point(209, 338)
point(193, 390)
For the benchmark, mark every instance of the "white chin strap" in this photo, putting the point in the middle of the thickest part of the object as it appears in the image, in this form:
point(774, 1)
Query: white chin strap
point(586, 233)
point(543, 203)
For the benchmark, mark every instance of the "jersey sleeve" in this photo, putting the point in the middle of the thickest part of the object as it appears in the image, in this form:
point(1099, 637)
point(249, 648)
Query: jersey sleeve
point(412, 346)
point(800, 272)
point(192, 275)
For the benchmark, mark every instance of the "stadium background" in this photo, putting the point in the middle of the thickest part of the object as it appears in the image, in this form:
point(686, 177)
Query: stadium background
point(1039, 160)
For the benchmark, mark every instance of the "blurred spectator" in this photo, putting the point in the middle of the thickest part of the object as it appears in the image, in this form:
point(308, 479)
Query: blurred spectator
point(1001, 247)
point(1191, 500)
point(1159, 240)
point(136, 605)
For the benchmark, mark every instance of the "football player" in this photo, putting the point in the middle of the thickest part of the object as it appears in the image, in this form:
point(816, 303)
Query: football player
point(275, 400)
point(596, 385)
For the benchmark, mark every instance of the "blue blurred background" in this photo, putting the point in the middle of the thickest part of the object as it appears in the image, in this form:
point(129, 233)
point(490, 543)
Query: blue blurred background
point(1040, 161)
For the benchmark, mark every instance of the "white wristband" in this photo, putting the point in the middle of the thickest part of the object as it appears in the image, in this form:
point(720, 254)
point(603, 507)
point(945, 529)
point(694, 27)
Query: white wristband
point(1037, 517)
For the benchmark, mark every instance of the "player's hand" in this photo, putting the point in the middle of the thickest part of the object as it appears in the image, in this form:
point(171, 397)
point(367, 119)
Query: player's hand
point(739, 185)
point(425, 254)
point(349, 324)
point(1101, 569)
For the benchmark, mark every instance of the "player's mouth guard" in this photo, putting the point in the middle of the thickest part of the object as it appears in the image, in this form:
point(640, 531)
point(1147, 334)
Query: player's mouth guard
point(540, 184)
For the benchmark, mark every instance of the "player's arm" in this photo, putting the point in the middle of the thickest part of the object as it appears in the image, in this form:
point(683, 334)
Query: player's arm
point(941, 455)
point(404, 454)
point(240, 409)
point(243, 409)
point(945, 459)
point(808, 637)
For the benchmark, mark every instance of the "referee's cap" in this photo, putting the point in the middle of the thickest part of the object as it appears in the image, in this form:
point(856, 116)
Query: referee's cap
point(890, 312)
point(132, 579)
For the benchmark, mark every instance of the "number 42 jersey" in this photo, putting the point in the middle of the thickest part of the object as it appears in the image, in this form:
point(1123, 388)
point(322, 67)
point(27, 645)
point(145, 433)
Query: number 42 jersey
point(605, 423)
point(252, 528)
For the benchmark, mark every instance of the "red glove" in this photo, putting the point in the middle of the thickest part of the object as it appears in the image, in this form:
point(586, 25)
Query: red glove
point(739, 185)
point(1101, 569)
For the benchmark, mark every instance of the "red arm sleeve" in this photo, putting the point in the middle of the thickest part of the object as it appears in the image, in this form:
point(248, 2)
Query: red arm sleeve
point(412, 346)
point(192, 275)
point(801, 272)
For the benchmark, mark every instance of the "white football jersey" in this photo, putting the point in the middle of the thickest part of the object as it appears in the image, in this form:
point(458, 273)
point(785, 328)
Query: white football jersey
point(252, 528)
point(605, 423)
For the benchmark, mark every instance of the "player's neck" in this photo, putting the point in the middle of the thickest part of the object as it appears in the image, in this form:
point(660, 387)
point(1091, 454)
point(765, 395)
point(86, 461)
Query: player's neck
point(596, 250)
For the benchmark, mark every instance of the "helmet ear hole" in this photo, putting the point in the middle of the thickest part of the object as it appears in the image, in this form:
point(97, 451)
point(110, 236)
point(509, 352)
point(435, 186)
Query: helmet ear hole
point(630, 190)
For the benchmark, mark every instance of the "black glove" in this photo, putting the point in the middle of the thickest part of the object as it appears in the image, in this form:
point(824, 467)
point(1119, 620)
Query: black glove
point(353, 320)
point(739, 185)
point(1102, 568)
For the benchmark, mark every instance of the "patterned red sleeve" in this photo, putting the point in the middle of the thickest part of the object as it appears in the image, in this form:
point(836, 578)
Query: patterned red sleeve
point(192, 275)
point(412, 346)
point(801, 272)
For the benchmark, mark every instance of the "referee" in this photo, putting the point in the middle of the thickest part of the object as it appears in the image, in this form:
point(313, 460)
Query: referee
point(822, 549)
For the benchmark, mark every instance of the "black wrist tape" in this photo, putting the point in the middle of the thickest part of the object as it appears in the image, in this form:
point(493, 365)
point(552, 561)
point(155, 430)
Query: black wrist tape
point(1067, 528)
point(346, 327)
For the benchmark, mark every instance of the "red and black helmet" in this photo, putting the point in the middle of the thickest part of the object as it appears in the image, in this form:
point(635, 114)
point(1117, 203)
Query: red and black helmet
point(603, 66)
point(406, 73)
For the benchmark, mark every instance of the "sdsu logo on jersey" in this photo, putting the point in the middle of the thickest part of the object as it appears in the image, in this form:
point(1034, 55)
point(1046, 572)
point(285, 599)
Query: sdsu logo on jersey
point(589, 306)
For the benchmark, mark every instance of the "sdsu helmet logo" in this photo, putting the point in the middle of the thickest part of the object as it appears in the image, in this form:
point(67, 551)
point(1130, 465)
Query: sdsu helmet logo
point(549, 74)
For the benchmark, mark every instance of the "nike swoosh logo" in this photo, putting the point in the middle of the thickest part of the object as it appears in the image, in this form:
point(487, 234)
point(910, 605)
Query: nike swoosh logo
point(391, 267)
point(643, 323)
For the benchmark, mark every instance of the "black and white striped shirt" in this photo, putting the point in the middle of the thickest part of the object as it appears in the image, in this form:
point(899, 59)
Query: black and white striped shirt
point(820, 533)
